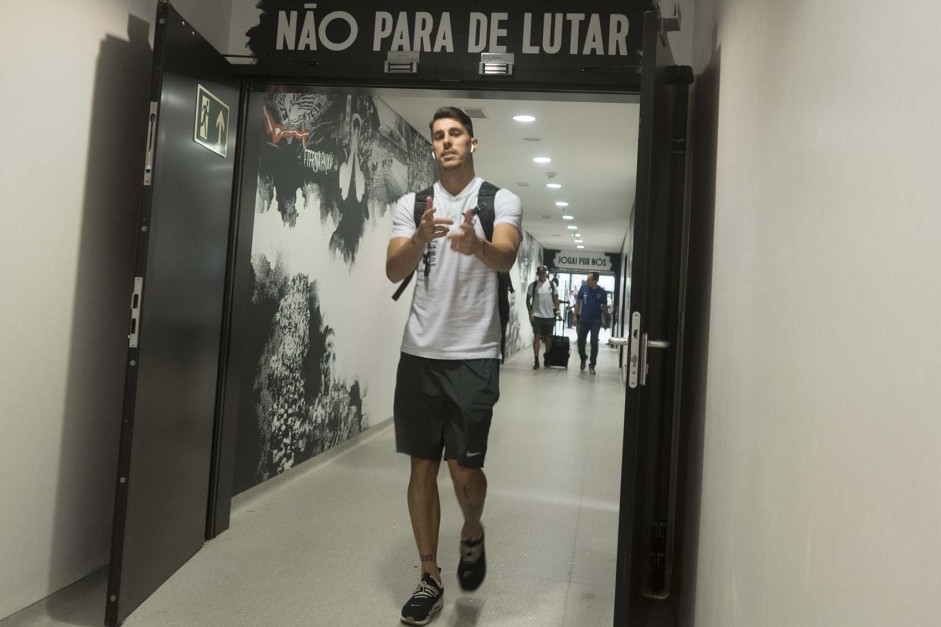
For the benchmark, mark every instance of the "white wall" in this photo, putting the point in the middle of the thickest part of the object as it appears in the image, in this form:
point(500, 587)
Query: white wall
point(244, 16)
point(821, 496)
point(76, 82)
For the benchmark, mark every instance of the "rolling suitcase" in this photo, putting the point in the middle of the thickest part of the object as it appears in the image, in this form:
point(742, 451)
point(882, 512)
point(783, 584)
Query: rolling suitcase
point(560, 351)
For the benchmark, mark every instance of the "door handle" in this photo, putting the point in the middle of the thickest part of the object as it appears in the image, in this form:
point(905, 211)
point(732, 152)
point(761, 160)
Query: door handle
point(640, 343)
point(645, 345)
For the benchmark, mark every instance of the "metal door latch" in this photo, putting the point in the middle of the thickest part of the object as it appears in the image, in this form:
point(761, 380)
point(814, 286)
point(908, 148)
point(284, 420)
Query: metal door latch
point(634, 358)
point(151, 139)
point(135, 311)
point(669, 23)
point(640, 344)
point(398, 62)
point(496, 64)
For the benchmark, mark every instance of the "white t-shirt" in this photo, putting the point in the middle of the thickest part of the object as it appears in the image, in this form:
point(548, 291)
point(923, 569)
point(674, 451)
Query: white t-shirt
point(454, 308)
point(543, 298)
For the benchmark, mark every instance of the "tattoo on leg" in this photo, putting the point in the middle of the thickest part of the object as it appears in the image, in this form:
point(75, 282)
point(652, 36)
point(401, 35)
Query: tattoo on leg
point(427, 558)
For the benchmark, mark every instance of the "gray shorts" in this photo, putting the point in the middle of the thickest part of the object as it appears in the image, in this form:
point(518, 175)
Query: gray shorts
point(445, 405)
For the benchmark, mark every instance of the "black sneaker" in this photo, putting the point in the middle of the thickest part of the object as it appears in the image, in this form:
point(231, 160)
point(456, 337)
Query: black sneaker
point(545, 360)
point(473, 566)
point(536, 364)
point(582, 366)
point(427, 601)
point(591, 370)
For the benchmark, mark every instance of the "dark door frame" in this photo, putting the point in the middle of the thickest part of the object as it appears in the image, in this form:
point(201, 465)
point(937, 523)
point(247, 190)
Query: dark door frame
point(651, 506)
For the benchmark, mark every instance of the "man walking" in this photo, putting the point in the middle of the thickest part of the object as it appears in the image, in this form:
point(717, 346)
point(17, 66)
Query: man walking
point(448, 376)
point(591, 311)
point(570, 314)
point(543, 305)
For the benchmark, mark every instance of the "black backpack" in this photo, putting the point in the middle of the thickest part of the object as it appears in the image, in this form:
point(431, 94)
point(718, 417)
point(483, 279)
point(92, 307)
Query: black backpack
point(487, 214)
point(531, 290)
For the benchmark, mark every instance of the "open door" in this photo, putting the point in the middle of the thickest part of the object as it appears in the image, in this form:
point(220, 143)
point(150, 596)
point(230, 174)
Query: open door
point(649, 553)
point(162, 487)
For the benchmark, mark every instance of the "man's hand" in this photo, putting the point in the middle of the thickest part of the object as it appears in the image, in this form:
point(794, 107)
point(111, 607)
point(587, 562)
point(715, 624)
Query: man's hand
point(465, 239)
point(404, 253)
point(430, 227)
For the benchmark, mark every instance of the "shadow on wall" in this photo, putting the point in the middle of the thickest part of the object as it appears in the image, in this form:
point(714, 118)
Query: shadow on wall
point(100, 319)
point(705, 124)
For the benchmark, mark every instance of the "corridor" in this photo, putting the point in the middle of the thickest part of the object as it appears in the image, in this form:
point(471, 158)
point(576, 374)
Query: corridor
point(329, 542)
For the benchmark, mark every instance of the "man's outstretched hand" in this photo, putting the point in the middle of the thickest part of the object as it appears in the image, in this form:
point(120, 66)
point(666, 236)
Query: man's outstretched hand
point(430, 227)
point(465, 240)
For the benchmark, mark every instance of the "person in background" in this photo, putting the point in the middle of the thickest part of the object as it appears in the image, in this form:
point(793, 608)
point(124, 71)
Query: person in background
point(542, 302)
point(573, 296)
point(448, 379)
point(591, 312)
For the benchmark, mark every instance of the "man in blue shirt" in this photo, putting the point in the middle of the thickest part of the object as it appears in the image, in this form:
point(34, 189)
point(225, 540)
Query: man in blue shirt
point(591, 311)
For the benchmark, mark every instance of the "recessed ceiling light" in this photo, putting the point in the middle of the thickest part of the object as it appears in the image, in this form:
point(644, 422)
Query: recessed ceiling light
point(568, 217)
point(578, 241)
point(572, 227)
point(580, 247)
point(542, 160)
point(532, 139)
point(561, 203)
point(524, 118)
point(553, 185)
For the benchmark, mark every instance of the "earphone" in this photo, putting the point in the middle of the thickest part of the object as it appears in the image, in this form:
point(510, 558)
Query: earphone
point(473, 148)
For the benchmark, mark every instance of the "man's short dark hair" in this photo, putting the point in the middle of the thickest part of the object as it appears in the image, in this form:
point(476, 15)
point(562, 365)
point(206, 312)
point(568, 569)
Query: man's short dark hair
point(593, 275)
point(453, 113)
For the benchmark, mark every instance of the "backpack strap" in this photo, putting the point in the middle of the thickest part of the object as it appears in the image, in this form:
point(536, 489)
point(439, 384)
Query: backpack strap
point(531, 292)
point(487, 214)
point(421, 198)
point(486, 196)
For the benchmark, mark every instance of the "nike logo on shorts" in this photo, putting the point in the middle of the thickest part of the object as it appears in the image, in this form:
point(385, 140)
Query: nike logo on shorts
point(474, 454)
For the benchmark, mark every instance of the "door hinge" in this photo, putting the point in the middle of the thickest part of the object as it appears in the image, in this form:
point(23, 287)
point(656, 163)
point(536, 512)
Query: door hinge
point(668, 23)
point(135, 311)
point(151, 139)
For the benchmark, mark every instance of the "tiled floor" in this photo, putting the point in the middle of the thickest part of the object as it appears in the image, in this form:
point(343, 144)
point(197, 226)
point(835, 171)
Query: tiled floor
point(330, 544)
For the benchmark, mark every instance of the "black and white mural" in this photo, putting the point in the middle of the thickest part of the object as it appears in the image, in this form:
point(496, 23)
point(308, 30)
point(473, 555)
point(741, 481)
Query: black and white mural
point(519, 332)
point(347, 157)
point(322, 341)
point(323, 335)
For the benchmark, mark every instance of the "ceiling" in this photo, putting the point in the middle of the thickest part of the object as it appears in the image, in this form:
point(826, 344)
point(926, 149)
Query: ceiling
point(593, 147)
